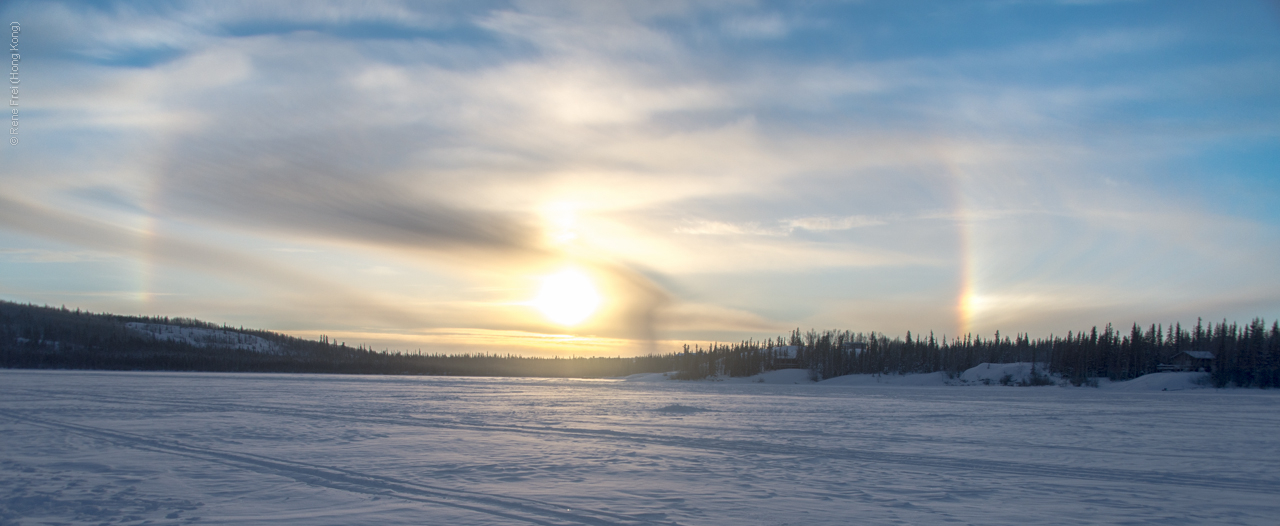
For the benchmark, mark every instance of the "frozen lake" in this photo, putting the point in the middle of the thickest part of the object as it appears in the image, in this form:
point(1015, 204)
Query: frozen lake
point(182, 448)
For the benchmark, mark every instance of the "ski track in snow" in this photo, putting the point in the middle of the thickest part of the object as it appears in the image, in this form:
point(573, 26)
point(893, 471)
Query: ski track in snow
point(523, 509)
point(406, 450)
point(1012, 468)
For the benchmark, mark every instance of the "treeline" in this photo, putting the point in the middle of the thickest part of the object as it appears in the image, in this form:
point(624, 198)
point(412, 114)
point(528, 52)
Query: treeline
point(33, 337)
point(57, 338)
point(1243, 355)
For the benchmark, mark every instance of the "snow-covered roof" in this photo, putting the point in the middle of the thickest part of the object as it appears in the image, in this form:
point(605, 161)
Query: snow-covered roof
point(786, 351)
point(1199, 355)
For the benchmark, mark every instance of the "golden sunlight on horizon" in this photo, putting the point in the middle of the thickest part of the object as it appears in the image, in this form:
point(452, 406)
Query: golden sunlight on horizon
point(567, 297)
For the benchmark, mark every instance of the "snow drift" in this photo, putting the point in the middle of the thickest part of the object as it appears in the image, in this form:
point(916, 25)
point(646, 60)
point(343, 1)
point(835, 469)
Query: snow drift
point(1019, 373)
point(1170, 381)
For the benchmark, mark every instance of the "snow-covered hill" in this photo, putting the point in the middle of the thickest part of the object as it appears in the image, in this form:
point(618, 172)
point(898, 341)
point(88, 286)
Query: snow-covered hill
point(201, 337)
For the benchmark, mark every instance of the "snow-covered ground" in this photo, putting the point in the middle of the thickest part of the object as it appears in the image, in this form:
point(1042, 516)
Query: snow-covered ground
point(783, 376)
point(171, 448)
point(992, 374)
point(884, 380)
point(202, 337)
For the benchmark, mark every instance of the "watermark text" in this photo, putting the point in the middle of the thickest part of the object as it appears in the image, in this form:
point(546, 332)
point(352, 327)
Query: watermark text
point(14, 58)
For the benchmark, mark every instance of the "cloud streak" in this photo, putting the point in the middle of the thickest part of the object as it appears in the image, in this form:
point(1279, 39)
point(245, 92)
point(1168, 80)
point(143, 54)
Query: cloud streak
point(466, 149)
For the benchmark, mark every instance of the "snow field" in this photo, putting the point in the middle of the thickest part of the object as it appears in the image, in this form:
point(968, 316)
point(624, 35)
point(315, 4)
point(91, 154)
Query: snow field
point(170, 448)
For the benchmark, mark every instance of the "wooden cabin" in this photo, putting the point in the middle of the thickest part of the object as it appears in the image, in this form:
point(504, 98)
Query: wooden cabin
point(786, 356)
point(1190, 361)
point(854, 348)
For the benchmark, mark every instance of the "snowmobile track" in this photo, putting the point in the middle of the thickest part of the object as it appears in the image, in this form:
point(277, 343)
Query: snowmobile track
point(526, 510)
point(931, 462)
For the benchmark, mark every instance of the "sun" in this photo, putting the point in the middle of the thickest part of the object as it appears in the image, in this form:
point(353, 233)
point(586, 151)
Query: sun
point(567, 297)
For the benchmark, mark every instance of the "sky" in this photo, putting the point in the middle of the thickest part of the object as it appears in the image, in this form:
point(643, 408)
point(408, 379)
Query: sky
point(601, 178)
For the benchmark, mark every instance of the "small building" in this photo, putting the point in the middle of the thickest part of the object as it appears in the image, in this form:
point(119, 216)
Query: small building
point(854, 348)
point(1190, 361)
point(786, 356)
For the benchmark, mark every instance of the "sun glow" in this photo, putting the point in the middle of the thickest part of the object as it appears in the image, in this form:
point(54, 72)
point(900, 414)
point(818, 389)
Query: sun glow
point(567, 297)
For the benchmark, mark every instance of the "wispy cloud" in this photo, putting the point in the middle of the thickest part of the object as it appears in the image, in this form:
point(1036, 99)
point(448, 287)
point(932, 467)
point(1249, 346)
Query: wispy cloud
point(781, 227)
point(681, 141)
point(30, 255)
